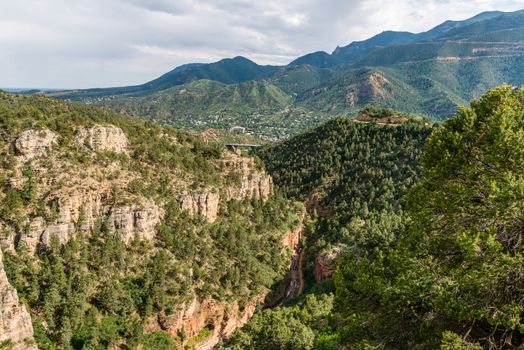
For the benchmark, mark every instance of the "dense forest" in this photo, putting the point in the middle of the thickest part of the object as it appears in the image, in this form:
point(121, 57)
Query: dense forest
point(354, 174)
point(426, 220)
point(354, 177)
point(432, 240)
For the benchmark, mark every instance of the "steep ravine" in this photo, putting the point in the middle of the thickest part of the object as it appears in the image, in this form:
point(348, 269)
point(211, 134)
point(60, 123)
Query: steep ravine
point(294, 282)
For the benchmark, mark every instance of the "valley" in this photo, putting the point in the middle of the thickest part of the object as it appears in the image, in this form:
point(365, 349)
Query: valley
point(118, 230)
point(368, 198)
point(429, 74)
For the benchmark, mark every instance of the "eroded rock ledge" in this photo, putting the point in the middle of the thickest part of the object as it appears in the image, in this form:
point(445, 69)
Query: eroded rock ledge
point(34, 143)
point(251, 183)
point(80, 209)
point(103, 138)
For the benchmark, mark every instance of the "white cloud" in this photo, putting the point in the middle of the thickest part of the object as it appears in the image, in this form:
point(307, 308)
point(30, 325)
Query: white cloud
point(86, 43)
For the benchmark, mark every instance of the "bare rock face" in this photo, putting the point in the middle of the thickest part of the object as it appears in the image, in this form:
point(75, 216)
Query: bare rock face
point(15, 322)
point(102, 138)
point(131, 220)
point(292, 238)
point(326, 264)
point(80, 209)
point(253, 183)
point(222, 319)
point(34, 143)
point(204, 204)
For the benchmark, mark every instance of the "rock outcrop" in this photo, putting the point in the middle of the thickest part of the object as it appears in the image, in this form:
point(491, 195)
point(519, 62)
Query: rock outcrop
point(204, 204)
point(326, 263)
point(34, 143)
point(292, 239)
point(221, 319)
point(80, 209)
point(252, 183)
point(16, 328)
point(103, 138)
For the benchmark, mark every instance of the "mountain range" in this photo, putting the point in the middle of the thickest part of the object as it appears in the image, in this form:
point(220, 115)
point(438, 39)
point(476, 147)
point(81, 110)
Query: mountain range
point(429, 73)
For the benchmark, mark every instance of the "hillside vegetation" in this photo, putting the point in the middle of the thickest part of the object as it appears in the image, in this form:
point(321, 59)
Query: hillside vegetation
point(354, 177)
point(440, 268)
point(430, 73)
point(66, 207)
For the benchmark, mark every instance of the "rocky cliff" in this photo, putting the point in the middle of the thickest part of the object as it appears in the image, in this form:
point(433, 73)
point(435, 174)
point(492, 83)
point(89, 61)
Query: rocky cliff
point(34, 143)
point(85, 199)
point(90, 197)
point(76, 199)
point(71, 171)
point(80, 211)
point(248, 181)
point(103, 138)
point(16, 330)
point(205, 322)
point(326, 263)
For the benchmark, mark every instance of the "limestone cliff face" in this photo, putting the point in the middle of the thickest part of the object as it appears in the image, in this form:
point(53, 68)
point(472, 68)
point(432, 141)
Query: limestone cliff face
point(81, 210)
point(88, 196)
point(103, 138)
point(325, 264)
point(204, 204)
point(81, 205)
point(251, 183)
point(77, 199)
point(15, 322)
point(34, 143)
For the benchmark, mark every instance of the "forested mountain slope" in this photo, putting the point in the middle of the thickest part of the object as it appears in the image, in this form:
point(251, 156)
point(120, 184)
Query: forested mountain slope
point(353, 177)
point(440, 268)
point(430, 73)
point(120, 233)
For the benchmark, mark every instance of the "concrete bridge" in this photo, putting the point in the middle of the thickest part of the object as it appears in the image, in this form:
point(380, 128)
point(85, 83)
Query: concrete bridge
point(235, 147)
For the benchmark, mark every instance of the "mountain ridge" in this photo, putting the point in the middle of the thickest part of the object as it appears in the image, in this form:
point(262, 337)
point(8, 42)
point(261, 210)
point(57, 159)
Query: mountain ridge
point(429, 73)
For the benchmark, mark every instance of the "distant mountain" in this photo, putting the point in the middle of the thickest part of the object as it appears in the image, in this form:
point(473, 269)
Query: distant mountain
point(429, 73)
point(447, 26)
point(208, 96)
point(318, 59)
point(358, 50)
point(228, 71)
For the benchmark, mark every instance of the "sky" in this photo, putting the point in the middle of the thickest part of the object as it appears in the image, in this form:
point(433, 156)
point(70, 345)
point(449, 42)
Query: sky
point(102, 43)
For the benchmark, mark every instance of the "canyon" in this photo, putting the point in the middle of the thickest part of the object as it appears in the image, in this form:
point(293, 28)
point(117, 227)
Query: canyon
point(76, 200)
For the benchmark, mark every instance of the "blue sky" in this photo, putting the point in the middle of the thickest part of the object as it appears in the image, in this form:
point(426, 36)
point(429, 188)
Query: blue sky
point(100, 43)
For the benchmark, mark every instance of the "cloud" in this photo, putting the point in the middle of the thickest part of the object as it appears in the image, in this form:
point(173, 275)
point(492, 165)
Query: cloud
point(87, 43)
